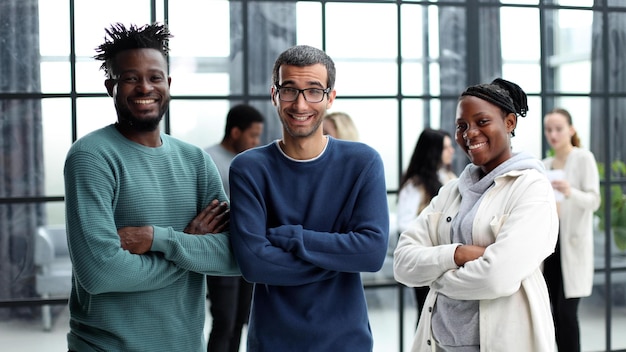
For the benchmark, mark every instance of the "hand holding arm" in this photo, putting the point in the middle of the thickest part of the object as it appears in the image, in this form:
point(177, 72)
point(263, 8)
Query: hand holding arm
point(465, 253)
point(136, 239)
point(212, 219)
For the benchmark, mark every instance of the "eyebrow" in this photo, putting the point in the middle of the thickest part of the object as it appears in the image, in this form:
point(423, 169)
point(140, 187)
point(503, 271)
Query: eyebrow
point(310, 83)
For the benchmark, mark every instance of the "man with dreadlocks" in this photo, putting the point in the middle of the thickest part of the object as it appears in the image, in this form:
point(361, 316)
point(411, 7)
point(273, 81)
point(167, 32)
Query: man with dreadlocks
point(147, 215)
point(480, 243)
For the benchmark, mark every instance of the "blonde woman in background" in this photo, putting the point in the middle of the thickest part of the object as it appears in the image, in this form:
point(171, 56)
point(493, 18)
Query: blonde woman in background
point(340, 126)
point(569, 270)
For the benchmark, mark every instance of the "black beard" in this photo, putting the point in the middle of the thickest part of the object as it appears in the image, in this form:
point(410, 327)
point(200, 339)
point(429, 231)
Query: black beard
point(128, 120)
point(141, 125)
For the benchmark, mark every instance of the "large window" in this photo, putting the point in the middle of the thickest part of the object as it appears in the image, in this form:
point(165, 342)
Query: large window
point(400, 67)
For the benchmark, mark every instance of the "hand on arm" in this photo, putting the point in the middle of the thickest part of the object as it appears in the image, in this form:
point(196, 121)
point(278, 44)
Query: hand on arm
point(465, 253)
point(212, 219)
point(136, 239)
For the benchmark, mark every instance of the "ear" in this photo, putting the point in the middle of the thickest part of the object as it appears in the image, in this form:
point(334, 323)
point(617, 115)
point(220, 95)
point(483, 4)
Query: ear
point(273, 95)
point(110, 86)
point(235, 133)
point(331, 99)
point(510, 121)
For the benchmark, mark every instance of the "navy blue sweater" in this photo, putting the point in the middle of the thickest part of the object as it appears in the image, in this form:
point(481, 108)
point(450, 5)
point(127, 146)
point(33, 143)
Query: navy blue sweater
point(302, 231)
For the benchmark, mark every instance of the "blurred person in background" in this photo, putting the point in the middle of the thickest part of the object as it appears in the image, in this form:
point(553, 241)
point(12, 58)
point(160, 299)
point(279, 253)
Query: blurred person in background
point(340, 125)
point(230, 297)
point(569, 270)
point(429, 169)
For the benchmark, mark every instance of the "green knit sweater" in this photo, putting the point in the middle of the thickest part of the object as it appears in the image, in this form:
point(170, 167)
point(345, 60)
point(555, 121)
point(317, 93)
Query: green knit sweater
point(156, 301)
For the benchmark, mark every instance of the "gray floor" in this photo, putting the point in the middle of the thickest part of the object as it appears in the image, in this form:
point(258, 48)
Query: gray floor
point(27, 336)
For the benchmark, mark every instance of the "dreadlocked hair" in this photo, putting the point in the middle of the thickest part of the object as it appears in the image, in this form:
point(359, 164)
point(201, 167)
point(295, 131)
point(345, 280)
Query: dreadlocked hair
point(151, 36)
point(507, 95)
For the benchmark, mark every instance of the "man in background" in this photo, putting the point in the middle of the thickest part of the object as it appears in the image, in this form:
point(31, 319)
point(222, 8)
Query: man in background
point(231, 296)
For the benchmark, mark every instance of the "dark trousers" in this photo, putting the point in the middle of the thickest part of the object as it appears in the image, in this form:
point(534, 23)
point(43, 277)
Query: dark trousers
point(230, 299)
point(420, 297)
point(564, 310)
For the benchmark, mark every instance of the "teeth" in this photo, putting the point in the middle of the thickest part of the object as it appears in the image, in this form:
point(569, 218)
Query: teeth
point(300, 118)
point(144, 101)
point(476, 146)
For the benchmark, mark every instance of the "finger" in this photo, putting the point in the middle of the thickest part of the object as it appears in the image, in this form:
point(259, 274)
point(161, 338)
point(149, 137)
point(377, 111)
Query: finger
point(215, 207)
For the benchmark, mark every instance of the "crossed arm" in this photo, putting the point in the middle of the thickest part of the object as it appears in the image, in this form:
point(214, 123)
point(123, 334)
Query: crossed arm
point(214, 218)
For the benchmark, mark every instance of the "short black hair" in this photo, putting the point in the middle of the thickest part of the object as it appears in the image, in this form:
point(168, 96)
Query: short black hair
point(150, 36)
point(242, 116)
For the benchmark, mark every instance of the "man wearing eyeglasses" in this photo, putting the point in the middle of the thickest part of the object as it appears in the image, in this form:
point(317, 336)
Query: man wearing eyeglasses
point(308, 214)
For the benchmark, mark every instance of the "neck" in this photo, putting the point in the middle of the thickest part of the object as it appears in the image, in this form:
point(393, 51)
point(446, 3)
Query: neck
point(563, 152)
point(303, 148)
point(229, 145)
point(147, 138)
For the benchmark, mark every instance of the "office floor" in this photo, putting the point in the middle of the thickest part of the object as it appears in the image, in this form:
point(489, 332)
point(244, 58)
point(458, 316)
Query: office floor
point(28, 336)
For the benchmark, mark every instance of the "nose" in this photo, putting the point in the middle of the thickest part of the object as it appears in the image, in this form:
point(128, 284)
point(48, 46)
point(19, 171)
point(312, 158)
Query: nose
point(300, 100)
point(144, 85)
point(470, 131)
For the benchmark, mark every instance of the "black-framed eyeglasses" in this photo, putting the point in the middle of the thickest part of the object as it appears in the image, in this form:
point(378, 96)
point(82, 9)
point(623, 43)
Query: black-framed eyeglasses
point(312, 95)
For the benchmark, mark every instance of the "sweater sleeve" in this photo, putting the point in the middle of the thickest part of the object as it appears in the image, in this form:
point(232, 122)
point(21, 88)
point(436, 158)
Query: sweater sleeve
point(99, 263)
point(587, 195)
point(409, 199)
point(420, 256)
point(520, 245)
point(361, 249)
point(209, 254)
point(259, 260)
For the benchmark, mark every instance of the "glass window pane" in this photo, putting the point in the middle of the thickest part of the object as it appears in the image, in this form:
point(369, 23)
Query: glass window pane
point(90, 29)
point(382, 78)
point(362, 38)
point(54, 46)
point(55, 76)
point(569, 50)
point(56, 127)
point(202, 32)
point(54, 31)
point(517, 45)
point(412, 31)
point(527, 76)
point(580, 3)
point(516, 2)
point(365, 54)
point(529, 130)
point(309, 23)
point(89, 77)
point(199, 122)
point(374, 119)
point(93, 114)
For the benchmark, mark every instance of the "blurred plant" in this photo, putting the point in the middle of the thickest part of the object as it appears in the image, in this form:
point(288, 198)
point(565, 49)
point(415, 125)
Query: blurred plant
point(618, 204)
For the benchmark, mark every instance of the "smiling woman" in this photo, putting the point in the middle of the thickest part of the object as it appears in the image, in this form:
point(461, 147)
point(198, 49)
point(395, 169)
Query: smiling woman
point(473, 245)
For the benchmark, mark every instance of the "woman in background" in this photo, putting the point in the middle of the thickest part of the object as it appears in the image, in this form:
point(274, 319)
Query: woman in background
point(429, 169)
point(340, 126)
point(569, 270)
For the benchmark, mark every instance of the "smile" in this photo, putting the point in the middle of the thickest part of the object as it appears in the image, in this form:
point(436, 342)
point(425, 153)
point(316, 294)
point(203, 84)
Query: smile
point(145, 101)
point(475, 146)
point(300, 118)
